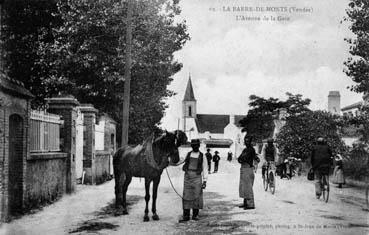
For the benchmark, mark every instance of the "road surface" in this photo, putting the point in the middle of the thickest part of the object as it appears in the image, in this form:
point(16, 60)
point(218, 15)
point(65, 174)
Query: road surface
point(292, 210)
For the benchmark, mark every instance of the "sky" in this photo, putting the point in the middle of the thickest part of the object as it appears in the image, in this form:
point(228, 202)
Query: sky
point(231, 57)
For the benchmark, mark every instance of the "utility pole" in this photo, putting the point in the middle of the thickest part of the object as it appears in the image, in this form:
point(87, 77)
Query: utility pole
point(127, 75)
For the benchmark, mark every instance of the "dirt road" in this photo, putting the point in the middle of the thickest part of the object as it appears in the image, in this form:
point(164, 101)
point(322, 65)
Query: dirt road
point(292, 210)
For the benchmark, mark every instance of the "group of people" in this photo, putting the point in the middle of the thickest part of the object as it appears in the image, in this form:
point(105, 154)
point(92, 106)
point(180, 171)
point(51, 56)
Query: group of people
point(209, 158)
point(196, 172)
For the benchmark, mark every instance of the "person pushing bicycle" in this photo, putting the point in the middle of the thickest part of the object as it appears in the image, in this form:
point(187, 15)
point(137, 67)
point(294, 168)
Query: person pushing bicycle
point(270, 154)
point(321, 161)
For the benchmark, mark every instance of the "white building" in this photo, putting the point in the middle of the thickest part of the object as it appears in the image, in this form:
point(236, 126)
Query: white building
point(216, 131)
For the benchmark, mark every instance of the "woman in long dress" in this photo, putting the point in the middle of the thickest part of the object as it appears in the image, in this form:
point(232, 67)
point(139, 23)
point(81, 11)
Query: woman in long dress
point(338, 172)
point(247, 176)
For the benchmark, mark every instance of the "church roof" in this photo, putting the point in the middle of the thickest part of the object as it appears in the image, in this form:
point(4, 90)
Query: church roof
point(189, 94)
point(214, 123)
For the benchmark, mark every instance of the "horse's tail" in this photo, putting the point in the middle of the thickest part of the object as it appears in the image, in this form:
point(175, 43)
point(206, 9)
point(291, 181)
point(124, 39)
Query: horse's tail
point(117, 159)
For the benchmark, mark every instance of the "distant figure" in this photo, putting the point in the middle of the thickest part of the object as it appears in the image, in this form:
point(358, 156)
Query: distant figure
point(269, 153)
point(321, 161)
point(247, 175)
point(216, 159)
point(209, 157)
point(338, 176)
point(194, 182)
point(229, 157)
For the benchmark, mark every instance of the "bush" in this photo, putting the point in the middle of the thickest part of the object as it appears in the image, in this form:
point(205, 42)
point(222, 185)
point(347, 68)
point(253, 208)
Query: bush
point(356, 164)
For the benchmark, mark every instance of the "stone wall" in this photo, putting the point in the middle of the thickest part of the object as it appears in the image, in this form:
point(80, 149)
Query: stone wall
point(45, 179)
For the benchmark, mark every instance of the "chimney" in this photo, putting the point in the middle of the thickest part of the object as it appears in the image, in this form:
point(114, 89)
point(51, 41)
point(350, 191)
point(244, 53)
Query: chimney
point(334, 102)
point(232, 119)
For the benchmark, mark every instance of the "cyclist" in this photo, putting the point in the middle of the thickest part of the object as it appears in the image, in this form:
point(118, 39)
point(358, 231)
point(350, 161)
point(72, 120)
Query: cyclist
point(269, 154)
point(321, 161)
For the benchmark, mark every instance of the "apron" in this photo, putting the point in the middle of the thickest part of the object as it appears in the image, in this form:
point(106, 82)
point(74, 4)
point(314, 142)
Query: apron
point(192, 188)
point(246, 182)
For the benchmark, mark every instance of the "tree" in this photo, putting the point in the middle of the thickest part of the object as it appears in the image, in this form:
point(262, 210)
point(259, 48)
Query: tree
point(357, 65)
point(85, 57)
point(298, 136)
point(259, 120)
point(27, 25)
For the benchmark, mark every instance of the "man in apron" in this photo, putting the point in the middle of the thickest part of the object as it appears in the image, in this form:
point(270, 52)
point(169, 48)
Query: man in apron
point(195, 177)
point(247, 176)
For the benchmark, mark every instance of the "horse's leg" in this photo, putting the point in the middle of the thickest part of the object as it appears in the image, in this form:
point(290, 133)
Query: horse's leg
point(119, 182)
point(147, 198)
point(125, 188)
point(156, 182)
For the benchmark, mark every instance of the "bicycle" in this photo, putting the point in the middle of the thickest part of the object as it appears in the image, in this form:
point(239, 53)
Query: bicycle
point(325, 187)
point(269, 180)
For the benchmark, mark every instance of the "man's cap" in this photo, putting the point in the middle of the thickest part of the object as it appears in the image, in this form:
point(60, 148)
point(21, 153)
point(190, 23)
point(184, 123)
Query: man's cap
point(216, 152)
point(208, 150)
point(270, 140)
point(195, 142)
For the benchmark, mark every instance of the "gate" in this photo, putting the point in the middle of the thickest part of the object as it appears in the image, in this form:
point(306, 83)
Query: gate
point(15, 186)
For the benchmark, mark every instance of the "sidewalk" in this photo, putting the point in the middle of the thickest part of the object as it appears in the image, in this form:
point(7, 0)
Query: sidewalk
point(71, 209)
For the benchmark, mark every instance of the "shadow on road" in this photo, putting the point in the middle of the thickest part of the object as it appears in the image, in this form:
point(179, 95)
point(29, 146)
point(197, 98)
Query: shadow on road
point(94, 225)
point(215, 218)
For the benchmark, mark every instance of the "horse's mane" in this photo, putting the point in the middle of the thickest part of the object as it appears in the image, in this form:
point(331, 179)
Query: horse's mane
point(162, 143)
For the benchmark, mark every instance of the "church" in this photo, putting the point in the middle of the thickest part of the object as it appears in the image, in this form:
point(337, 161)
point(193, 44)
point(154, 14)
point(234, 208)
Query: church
point(218, 132)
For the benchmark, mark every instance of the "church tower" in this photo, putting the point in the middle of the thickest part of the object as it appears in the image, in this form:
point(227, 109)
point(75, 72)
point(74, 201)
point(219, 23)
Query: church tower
point(188, 104)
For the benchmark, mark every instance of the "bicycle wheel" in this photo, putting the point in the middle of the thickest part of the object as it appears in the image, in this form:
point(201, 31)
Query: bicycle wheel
point(271, 182)
point(265, 182)
point(325, 188)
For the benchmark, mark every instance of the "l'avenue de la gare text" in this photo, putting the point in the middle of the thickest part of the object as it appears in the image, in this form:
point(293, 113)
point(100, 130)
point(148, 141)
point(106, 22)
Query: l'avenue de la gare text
point(262, 18)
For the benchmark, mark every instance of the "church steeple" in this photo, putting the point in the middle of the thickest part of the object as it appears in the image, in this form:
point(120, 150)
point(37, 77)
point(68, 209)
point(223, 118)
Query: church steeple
point(189, 94)
point(189, 101)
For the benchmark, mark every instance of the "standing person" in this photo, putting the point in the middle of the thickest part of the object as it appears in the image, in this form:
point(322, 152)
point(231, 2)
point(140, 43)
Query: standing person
point(229, 157)
point(216, 159)
point(321, 161)
point(194, 182)
point(209, 157)
point(247, 176)
point(338, 172)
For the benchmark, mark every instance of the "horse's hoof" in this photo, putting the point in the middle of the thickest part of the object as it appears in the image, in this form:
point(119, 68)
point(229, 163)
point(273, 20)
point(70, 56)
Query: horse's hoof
point(155, 217)
point(125, 212)
point(146, 218)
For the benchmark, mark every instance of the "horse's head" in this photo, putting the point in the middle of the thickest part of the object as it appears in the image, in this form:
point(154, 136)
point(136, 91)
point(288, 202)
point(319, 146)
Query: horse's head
point(170, 141)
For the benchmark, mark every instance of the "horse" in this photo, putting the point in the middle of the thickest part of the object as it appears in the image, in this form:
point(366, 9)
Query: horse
point(147, 161)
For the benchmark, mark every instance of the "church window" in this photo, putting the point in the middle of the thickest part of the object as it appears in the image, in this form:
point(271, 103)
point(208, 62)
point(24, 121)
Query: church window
point(190, 111)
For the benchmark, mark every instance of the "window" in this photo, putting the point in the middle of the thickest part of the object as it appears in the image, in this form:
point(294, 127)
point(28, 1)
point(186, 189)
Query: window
point(190, 111)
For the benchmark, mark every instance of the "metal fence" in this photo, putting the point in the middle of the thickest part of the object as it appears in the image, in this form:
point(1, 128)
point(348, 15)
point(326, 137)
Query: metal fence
point(45, 132)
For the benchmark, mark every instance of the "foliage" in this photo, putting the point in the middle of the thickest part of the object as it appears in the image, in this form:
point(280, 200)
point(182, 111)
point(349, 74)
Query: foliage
point(360, 123)
point(356, 163)
point(357, 65)
point(85, 56)
point(298, 136)
point(27, 25)
point(259, 120)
